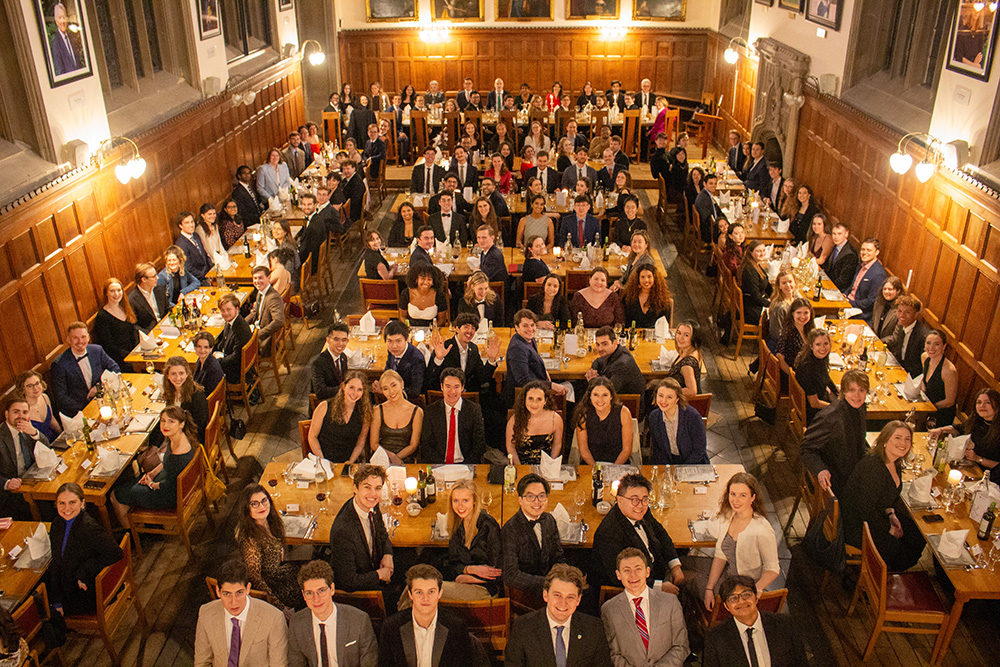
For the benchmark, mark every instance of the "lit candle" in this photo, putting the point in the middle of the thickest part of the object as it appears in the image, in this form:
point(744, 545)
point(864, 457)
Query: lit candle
point(852, 338)
point(106, 414)
point(614, 487)
point(256, 237)
point(954, 477)
point(419, 336)
point(557, 251)
point(795, 262)
point(411, 484)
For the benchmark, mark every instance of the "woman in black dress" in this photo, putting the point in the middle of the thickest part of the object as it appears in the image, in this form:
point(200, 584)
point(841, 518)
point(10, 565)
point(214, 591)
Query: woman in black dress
point(114, 327)
point(629, 222)
point(550, 305)
point(260, 536)
point(646, 297)
point(755, 286)
point(807, 210)
point(983, 430)
point(603, 425)
point(339, 428)
point(536, 426)
point(207, 370)
point(376, 266)
point(812, 372)
point(686, 369)
point(940, 382)
point(425, 298)
point(884, 319)
point(179, 388)
point(404, 227)
point(534, 269)
point(799, 321)
point(474, 552)
point(695, 184)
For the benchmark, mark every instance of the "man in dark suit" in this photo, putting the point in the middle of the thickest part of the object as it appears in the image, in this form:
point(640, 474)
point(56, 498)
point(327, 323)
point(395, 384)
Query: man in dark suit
point(557, 636)
point(757, 178)
point(708, 210)
point(542, 170)
point(907, 340)
point(17, 454)
point(196, 262)
point(489, 188)
point(360, 546)
point(646, 98)
point(424, 248)
point(329, 367)
point(531, 544)
point(842, 263)
point(403, 358)
point(448, 224)
point(659, 164)
point(268, 311)
point(491, 261)
point(63, 48)
point(148, 299)
point(235, 334)
point(245, 195)
point(735, 157)
point(606, 174)
point(464, 96)
point(867, 282)
point(374, 152)
point(460, 352)
point(450, 185)
point(616, 98)
point(76, 372)
point(621, 160)
point(468, 175)
point(751, 637)
point(453, 430)
point(573, 224)
point(494, 101)
point(434, 93)
point(426, 177)
point(475, 102)
point(630, 524)
point(615, 363)
point(524, 364)
point(834, 442)
point(354, 191)
point(576, 139)
point(327, 211)
point(773, 194)
point(315, 234)
point(573, 172)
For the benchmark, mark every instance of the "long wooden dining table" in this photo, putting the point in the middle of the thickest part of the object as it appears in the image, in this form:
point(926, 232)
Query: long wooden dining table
point(16, 583)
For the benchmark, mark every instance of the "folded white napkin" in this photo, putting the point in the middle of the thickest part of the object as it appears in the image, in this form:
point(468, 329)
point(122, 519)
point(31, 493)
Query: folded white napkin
point(441, 525)
point(274, 203)
point(169, 331)
point(147, 342)
point(260, 259)
point(473, 262)
point(783, 226)
point(819, 322)
point(704, 530)
point(108, 461)
point(585, 264)
point(418, 201)
point(560, 514)
point(309, 468)
point(851, 312)
point(952, 543)
point(836, 361)
point(381, 458)
point(452, 473)
point(773, 269)
point(110, 380)
point(831, 294)
point(446, 267)
point(215, 320)
point(45, 457)
point(38, 544)
point(956, 447)
point(560, 197)
point(570, 344)
point(71, 424)
point(920, 490)
point(355, 358)
point(367, 324)
point(614, 248)
point(911, 387)
point(550, 467)
point(396, 474)
point(667, 357)
point(467, 193)
point(141, 423)
point(803, 250)
point(222, 261)
point(570, 392)
point(661, 329)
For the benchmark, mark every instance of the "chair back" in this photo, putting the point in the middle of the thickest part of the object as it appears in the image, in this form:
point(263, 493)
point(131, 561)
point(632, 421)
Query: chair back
point(509, 118)
point(500, 287)
point(212, 433)
point(630, 134)
point(370, 602)
point(770, 381)
point(213, 590)
point(304, 426)
point(736, 303)
point(379, 293)
point(381, 317)
point(541, 116)
point(562, 117)
point(29, 620)
point(453, 127)
point(190, 484)
point(531, 289)
point(248, 355)
point(435, 395)
point(305, 276)
point(873, 570)
point(608, 592)
point(332, 127)
point(769, 601)
point(797, 414)
point(633, 402)
point(576, 280)
point(114, 585)
point(419, 131)
point(392, 147)
point(489, 620)
point(216, 398)
point(702, 403)
point(598, 119)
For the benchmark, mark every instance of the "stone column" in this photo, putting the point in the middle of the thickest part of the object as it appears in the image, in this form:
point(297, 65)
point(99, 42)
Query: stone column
point(780, 78)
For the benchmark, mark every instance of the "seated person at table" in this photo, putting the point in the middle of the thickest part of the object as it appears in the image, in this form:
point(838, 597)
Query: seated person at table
point(940, 383)
point(579, 222)
point(458, 203)
point(174, 278)
point(235, 334)
point(488, 187)
point(603, 425)
point(157, 489)
point(664, 643)
point(835, 440)
point(76, 372)
point(198, 262)
point(537, 139)
point(460, 352)
point(676, 430)
point(448, 224)
point(550, 305)
point(280, 277)
point(80, 550)
point(630, 524)
point(452, 429)
point(396, 422)
point(531, 544)
point(207, 370)
point(17, 453)
point(354, 191)
point(148, 298)
point(872, 494)
point(884, 318)
point(812, 372)
point(524, 364)
point(638, 256)
point(425, 246)
point(842, 263)
point(403, 358)
point(782, 296)
point(328, 211)
point(340, 425)
point(31, 385)
point(621, 160)
point(799, 321)
point(819, 240)
point(362, 552)
point(983, 446)
point(867, 282)
point(492, 262)
point(461, 165)
point(374, 152)
point(248, 206)
point(615, 363)
point(906, 343)
point(747, 546)
point(499, 171)
point(260, 536)
point(607, 173)
point(599, 305)
point(543, 172)
point(709, 213)
point(480, 300)
point(646, 297)
point(268, 312)
point(179, 388)
point(538, 223)
point(755, 286)
point(578, 170)
point(426, 177)
point(627, 224)
point(315, 233)
point(732, 253)
point(534, 268)
point(404, 226)
point(771, 637)
point(330, 366)
point(425, 299)
point(535, 426)
point(483, 214)
point(600, 143)
point(805, 210)
point(474, 551)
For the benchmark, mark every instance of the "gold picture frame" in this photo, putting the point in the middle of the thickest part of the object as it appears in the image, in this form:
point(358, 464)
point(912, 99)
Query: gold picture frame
point(659, 10)
point(391, 11)
point(458, 11)
point(528, 10)
point(592, 9)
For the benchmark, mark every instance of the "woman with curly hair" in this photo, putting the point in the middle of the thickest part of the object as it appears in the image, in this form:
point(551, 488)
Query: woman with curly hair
point(480, 299)
point(499, 172)
point(483, 214)
point(535, 426)
point(646, 297)
point(179, 388)
point(174, 278)
point(260, 536)
point(339, 428)
point(603, 425)
point(424, 300)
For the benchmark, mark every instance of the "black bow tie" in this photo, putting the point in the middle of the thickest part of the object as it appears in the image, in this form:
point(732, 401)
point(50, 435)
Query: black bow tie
point(82, 356)
point(533, 522)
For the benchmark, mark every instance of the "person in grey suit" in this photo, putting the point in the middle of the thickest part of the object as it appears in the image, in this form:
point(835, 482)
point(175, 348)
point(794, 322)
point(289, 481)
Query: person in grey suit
point(268, 312)
point(644, 626)
point(236, 630)
point(17, 453)
point(572, 173)
point(349, 639)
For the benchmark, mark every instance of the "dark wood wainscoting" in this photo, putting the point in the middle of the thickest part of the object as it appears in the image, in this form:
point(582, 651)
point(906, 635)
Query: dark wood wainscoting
point(732, 82)
point(59, 245)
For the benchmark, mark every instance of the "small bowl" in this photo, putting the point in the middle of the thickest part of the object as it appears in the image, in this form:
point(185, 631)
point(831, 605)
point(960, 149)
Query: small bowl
point(413, 509)
point(603, 507)
point(581, 352)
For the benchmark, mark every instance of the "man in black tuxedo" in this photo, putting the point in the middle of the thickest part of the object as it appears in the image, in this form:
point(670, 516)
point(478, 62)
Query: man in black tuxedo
point(315, 234)
point(426, 177)
point(327, 211)
point(359, 543)
point(615, 363)
point(489, 189)
point(557, 636)
point(616, 98)
point(531, 544)
point(329, 367)
point(235, 334)
point(475, 102)
point(494, 101)
point(842, 263)
point(645, 98)
point(453, 430)
point(374, 152)
point(354, 191)
point(450, 185)
point(573, 172)
point(196, 262)
point(76, 373)
point(425, 246)
point(464, 97)
point(735, 157)
point(448, 225)
point(834, 441)
point(907, 340)
point(148, 299)
point(751, 637)
point(491, 261)
point(460, 352)
point(621, 160)
point(630, 524)
point(708, 211)
point(542, 170)
point(461, 166)
point(757, 178)
point(659, 163)
point(17, 454)
point(245, 195)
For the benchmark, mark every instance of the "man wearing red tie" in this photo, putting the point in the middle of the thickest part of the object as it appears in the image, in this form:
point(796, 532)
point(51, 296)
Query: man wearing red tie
point(453, 429)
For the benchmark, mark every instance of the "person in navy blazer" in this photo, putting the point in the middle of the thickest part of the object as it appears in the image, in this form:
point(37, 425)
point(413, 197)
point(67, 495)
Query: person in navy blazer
point(403, 358)
point(524, 364)
point(572, 173)
point(606, 174)
point(492, 262)
point(571, 224)
point(758, 178)
point(418, 178)
point(691, 444)
point(63, 48)
point(374, 152)
point(735, 157)
point(70, 390)
point(197, 261)
point(471, 179)
point(862, 294)
point(552, 177)
point(248, 202)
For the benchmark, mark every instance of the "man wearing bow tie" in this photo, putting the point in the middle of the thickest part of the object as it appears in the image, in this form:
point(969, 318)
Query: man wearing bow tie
point(197, 261)
point(76, 373)
point(448, 225)
point(531, 544)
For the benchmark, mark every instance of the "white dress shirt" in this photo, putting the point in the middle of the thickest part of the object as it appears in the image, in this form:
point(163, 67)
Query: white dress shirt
point(565, 633)
point(446, 224)
point(644, 605)
point(671, 425)
point(759, 641)
point(151, 300)
point(906, 338)
point(242, 618)
point(85, 368)
point(543, 174)
point(363, 515)
point(330, 628)
point(775, 192)
point(424, 640)
point(447, 421)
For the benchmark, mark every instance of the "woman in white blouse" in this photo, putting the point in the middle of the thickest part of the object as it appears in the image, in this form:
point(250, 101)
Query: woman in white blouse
point(537, 139)
point(208, 230)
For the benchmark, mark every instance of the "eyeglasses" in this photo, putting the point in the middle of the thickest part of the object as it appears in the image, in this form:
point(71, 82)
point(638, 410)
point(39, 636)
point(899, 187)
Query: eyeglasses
point(256, 504)
point(746, 596)
point(32, 385)
point(636, 501)
point(319, 592)
point(531, 497)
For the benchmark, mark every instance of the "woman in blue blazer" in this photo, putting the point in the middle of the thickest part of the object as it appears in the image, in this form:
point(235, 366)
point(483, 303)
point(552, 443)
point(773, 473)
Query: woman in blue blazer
point(272, 175)
point(174, 278)
point(686, 445)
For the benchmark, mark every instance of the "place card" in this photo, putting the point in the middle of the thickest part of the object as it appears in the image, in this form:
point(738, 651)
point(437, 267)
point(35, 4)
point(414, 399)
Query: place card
point(62, 467)
point(302, 485)
point(700, 490)
point(292, 507)
point(976, 550)
point(556, 486)
point(86, 464)
point(15, 552)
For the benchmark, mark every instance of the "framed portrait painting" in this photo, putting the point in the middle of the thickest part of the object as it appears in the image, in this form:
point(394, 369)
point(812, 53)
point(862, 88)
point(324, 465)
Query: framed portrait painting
point(973, 40)
point(592, 9)
point(63, 33)
point(209, 24)
point(525, 10)
point(391, 10)
point(458, 11)
point(790, 5)
point(659, 10)
point(824, 12)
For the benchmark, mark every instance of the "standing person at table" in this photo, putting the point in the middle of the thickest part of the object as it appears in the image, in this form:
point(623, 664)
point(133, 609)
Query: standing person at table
point(76, 372)
point(906, 343)
point(401, 357)
point(884, 318)
point(615, 363)
point(708, 211)
point(330, 367)
point(175, 280)
point(676, 430)
point(260, 536)
point(983, 446)
point(197, 261)
point(646, 297)
point(940, 383)
point(868, 281)
point(842, 263)
point(32, 386)
point(751, 637)
point(358, 539)
point(754, 285)
point(179, 388)
point(207, 370)
point(148, 298)
point(235, 334)
point(550, 305)
point(404, 227)
point(481, 300)
point(492, 262)
point(396, 423)
point(425, 246)
point(231, 225)
point(452, 430)
point(599, 305)
point(235, 628)
point(17, 453)
point(249, 203)
point(425, 299)
point(757, 177)
point(804, 214)
point(524, 364)
point(812, 372)
point(630, 524)
point(459, 352)
point(835, 440)
point(474, 551)
point(748, 545)
point(638, 255)
point(354, 191)
point(644, 626)
point(340, 425)
point(268, 312)
point(535, 426)
point(114, 326)
point(773, 196)
point(734, 157)
point(530, 539)
point(208, 231)
point(872, 495)
point(603, 425)
point(426, 177)
point(272, 176)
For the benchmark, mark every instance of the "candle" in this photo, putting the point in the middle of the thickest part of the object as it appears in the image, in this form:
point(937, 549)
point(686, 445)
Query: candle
point(419, 335)
point(256, 237)
point(614, 487)
point(411, 484)
point(795, 262)
point(908, 276)
point(852, 338)
point(954, 477)
point(557, 251)
point(106, 414)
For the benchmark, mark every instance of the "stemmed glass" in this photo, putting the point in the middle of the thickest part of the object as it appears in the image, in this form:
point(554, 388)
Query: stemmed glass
point(273, 483)
point(580, 498)
point(487, 498)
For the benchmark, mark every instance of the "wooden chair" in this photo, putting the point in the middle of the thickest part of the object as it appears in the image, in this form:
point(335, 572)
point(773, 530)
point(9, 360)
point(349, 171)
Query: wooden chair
point(419, 135)
point(286, 297)
point(29, 622)
point(631, 128)
point(278, 356)
point(323, 277)
point(823, 499)
point(332, 127)
point(304, 425)
point(453, 128)
point(218, 398)
point(692, 234)
point(342, 240)
point(562, 117)
point(633, 402)
point(806, 489)
point(608, 592)
point(671, 123)
point(176, 521)
point(116, 592)
point(213, 444)
point(243, 388)
point(370, 602)
point(509, 118)
point(598, 119)
point(376, 184)
point(213, 590)
point(797, 413)
point(489, 620)
point(530, 290)
point(575, 281)
point(661, 200)
point(768, 387)
point(475, 117)
point(382, 317)
point(379, 294)
point(702, 403)
point(392, 148)
point(771, 601)
point(500, 287)
point(904, 598)
point(435, 395)
point(742, 329)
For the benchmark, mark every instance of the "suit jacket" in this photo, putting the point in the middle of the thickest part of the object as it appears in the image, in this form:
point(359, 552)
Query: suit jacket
point(616, 100)
point(263, 637)
point(452, 643)
point(269, 315)
point(459, 228)
point(69, 390)
point(208, 374)
point(248, 204)
point(166, 279)
point(649, 102)
point(571, 175)
point(268, 183)
point(868, 289)
point(758, 178)
point(691, 441)
point(530, 642)
point(478, 375)
point(606, 178)
point(331, 219)
point(462, 99)
point(311, 240)
point(668, 637)
point(295, 157)
point(570, 225)
point(499, 204)
point(420, 255)
point(88, 551)
point(493, 312)
point(353, 568)
point(419, 174)
point(145, 318)
point(459, 205)
point(835, 441)
point(354, 192)
point(525, 564)
point(552, 178)
point(621, 369)
point(198, 262)
point(375, 153)
point(326, 378)
point(8, 457)
point(491, 100)
point(621, 161)
point(356, 643)
point(434, 435)
point(64, 58)
point(524, 364)
point(411, 367)
point(910, 357)
point(357, 127)
point(493, 265)
point(471, 174)
point(230, 342)
point(434, 98)
point(616, 532)
point(724, 646)
point(735, 158)
point(843, 270)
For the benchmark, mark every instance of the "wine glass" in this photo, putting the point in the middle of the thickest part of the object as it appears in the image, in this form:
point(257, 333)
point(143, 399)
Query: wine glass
point(580, 498)
point(488, 498)
point(273, 483)
point(321, 497)
point(150, 367)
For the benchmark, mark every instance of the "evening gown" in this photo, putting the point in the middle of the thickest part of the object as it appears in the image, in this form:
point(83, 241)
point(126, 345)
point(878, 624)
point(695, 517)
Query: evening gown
point(396, 440)
point(268, 574)
point(337, 441)
point(604, 436)
point(529, 450)
point(934, 388)
point(133, 494)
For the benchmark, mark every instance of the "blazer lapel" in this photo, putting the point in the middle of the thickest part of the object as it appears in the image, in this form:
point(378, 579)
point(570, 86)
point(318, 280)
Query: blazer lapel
point(247, 633)
point(343, 632)
point(657, 621)
point(409, 643)
point(440, 637)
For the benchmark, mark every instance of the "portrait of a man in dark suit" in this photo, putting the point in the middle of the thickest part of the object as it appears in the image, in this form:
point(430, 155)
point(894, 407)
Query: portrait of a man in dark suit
point(63, 35)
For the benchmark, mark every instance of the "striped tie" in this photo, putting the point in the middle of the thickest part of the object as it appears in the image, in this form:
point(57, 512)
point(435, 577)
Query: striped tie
point(640, 622)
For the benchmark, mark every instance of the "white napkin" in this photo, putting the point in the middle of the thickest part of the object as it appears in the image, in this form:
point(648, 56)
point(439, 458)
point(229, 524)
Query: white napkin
point(441, 525)
point(147, 342)
point(71, 424)
point(836, 361)
point(452, 473)
point(418, 201)
point(560, 197)
point(222, 261)
point(111, 380)
point(773, 269)
point(956, 447)
point(467, 193)
point(38, 544)
point(561, 516)
point(45, 457)
point(380, 457)
point(704, 530)
point(108, 462)
point(484, 327)
point(661, 328)
point(446, 268)
point(141, 423)
point(274, 203)
point(952, 543)
point(911, 387)
point(803, 250)
point(819, 322)
point(667, 357)
point(473, 262)
point(783, 226)
point(355, 359)
point(570, 392)
point(920, 490)
point(769, 251)
point(169, 332)
point(570, 344)
point(585, 264)
point(851, 312)
point(367, 324)
point(396, 474)
point(550, 467)
point(215, 320)
point(614, 248)
point(260, 259)
point(831, 294)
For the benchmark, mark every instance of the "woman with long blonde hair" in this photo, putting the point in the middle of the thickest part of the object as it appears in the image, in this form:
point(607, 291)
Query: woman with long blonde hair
point(480, 299)
point(474, 552)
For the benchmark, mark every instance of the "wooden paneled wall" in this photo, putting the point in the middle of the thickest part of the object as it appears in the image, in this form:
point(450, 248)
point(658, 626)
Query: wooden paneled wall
point(732, 82)
point(947, 231)
point(59, 245)
point(673, 59)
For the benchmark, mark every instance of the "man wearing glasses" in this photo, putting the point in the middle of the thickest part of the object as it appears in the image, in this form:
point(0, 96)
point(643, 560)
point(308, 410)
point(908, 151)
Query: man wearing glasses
point(531, 544)
point(629, 524)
